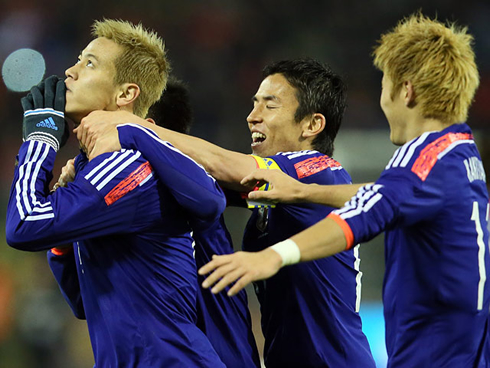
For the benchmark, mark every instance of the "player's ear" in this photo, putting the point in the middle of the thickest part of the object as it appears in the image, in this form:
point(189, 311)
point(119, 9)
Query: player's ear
point(127, 94)
point(314, 125)
point(408, 93)
point(150, 120)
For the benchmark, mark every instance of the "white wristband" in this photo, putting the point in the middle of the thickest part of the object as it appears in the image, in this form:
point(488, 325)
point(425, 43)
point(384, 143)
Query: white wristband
point(289, 252)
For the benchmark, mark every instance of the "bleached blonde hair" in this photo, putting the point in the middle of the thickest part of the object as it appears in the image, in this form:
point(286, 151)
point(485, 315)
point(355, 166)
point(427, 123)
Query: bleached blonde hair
point(143, 60)
point(437, 59)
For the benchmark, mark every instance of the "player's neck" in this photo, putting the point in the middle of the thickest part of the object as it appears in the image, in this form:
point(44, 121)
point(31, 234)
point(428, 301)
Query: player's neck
point(419, 125)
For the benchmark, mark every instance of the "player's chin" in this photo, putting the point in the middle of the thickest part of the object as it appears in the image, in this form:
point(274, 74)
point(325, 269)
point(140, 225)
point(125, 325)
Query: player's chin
point(72, 116)
point(396, 139)
point(258, 149)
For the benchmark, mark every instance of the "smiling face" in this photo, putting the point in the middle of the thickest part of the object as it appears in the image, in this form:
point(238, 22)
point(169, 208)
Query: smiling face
point(271, 121)
point(90, 82)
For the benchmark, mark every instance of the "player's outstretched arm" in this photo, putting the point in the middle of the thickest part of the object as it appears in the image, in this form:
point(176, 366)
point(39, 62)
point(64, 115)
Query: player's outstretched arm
point(321, 240)
point(285, 189)
point(98, 133)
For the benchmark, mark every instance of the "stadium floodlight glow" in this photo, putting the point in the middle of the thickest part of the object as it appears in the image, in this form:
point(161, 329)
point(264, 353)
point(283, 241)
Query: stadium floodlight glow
point(23, 69)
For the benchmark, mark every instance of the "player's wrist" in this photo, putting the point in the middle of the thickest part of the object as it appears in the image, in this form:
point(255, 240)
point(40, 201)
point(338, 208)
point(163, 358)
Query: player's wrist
point(288, 251)
point(302, 193)
point(47, 138)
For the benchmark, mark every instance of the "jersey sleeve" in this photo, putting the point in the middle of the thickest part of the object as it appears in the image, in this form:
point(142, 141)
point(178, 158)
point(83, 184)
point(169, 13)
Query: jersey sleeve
point(305, 166)
point(192, 187)
point(64, 269)
point(398, 198)
point(95, 204)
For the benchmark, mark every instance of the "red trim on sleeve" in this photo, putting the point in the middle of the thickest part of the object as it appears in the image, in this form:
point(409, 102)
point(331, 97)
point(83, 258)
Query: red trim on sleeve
point(61, 251)
point(349, 236)
point(127, 185)
point(256, 162)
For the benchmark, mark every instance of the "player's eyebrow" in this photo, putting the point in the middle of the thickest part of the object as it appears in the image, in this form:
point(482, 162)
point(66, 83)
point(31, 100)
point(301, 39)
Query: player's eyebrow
point(266, 98)
point(91, 56)
point(87, 55)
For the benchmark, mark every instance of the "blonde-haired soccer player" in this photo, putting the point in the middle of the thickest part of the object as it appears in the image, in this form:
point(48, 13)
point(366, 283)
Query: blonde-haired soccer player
point(131, 272)
point(123, 68)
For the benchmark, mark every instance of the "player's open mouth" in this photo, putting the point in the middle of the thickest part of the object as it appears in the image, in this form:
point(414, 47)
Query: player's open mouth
point(257, 138)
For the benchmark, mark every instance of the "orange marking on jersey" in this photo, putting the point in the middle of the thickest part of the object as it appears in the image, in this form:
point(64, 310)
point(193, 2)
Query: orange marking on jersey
point(61, 251)
point(127, 185)
point(428, 156)
point(313, 165)
point(349, 236)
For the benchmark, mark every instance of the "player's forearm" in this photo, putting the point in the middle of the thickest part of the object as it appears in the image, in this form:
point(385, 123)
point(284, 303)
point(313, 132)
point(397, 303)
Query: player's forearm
point(228, 167)
point(329, 195)
point(28, 198)
point(321, 240)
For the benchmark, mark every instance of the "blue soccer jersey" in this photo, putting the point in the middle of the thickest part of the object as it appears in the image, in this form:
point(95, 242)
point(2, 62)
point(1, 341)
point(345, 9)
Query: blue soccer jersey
point(432, 201)
point(310, 310)
point(225, 321)
point(133, 253)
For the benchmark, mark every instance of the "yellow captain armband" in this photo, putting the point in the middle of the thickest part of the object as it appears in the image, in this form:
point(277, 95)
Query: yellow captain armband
point(266, 164)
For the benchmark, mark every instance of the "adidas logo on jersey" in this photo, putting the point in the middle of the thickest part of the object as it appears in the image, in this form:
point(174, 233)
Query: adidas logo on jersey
point(48, 123)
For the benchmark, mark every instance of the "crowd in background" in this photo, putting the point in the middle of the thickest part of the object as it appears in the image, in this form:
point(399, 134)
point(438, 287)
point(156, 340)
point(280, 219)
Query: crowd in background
point(218, 47)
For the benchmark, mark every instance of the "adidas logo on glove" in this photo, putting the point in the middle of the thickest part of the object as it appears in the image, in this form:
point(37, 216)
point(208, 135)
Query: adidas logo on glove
point(48, 123)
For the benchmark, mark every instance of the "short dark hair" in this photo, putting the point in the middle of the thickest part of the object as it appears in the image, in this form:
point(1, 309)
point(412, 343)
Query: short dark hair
point(318, 90)
point(173, 110)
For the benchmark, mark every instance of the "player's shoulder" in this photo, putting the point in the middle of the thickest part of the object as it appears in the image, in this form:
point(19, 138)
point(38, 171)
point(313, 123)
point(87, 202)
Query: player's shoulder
point(122, 169)
point(420, 155)
point(310, 165)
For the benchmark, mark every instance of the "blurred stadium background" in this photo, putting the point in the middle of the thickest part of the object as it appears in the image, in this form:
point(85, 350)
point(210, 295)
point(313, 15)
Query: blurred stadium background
point(218, 47)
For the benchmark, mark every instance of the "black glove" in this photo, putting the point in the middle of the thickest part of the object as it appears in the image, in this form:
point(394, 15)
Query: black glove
point(44, 113)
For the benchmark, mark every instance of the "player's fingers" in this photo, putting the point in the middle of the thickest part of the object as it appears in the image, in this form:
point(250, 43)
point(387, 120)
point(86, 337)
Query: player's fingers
point(254, 177)
point(227, 279)
point(82, 135)
point(60, 95)
point(27, 102)
point(88, 137)
point(213, 264)
point(217, 274)
point(68, 171)
point(93, 152)
point(75, 131)
point(50, 91)
point(99, 147)
point(40, 86)
point(81, 131)
point(37, 98)
point(90, 142)
point(241, 283)
point(262, 195)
